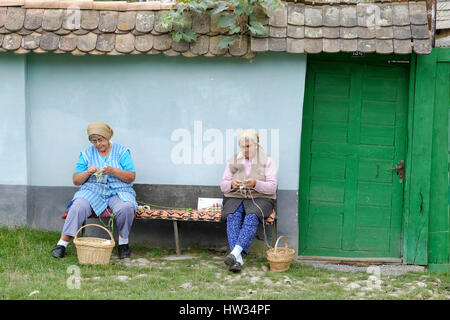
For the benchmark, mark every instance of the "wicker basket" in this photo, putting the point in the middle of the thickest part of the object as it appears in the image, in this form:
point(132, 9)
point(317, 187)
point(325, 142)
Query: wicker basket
point(93, 250)
point(280, 258)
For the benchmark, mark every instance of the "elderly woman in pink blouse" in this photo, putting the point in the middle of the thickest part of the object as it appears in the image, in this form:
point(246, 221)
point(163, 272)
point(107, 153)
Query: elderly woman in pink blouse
point(249, 184)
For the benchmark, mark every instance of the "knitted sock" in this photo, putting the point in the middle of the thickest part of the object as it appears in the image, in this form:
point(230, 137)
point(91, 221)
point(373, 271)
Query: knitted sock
point(237, 253)
point(62, 243)
point(239, 259)
point(122, 240)
point(236, 250)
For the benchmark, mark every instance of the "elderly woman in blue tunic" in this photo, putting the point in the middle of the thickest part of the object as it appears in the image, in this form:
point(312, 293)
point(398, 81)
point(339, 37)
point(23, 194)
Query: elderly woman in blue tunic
point(249, 184)
point(105, 172)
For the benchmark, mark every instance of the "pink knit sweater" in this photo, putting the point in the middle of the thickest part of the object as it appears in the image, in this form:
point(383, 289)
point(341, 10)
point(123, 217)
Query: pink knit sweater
point(267, 187)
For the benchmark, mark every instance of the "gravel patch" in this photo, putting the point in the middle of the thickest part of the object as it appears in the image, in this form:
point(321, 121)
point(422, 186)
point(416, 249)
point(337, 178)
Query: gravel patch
point(384, 269)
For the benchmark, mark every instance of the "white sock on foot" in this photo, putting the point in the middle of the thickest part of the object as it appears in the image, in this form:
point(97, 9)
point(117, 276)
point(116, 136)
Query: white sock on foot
point(236, 250)
point(122, 240)
point(237, 253)
point(62, 243)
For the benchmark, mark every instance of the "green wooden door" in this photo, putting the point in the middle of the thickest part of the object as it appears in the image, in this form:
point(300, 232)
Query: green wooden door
point(354, 133)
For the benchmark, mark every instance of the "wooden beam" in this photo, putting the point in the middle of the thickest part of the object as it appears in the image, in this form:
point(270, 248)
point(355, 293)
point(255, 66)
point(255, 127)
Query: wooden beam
point(417, 207)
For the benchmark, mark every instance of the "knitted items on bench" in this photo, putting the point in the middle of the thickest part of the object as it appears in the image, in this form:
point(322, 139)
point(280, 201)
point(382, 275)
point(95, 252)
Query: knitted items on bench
point(155, 206)
point(145, 212)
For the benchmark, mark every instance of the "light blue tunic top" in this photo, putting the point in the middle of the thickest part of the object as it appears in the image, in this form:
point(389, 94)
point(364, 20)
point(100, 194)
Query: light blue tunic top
point(98, 192)
point(125, 162)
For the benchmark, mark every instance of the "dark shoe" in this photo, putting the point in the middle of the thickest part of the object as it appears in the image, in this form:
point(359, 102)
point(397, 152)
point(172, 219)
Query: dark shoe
point(124, 251)
point(59, 251)
point(236, 267)
point(230, 260)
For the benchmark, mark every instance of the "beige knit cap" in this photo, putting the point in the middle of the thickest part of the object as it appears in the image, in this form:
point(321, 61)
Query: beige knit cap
point(101, 129)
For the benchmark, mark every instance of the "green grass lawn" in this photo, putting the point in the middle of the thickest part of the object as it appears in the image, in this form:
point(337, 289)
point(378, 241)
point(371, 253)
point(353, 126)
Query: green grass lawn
point(28, 271)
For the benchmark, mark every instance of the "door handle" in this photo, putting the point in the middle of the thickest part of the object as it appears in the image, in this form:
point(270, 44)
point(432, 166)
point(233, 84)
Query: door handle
point(399, 169)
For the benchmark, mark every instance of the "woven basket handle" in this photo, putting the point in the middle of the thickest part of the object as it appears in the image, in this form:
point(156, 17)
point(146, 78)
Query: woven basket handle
point(94, 225)
point(276, 243)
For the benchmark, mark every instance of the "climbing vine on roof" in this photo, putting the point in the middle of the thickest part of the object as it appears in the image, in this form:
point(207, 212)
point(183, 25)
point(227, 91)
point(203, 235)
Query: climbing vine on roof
point(237, 17)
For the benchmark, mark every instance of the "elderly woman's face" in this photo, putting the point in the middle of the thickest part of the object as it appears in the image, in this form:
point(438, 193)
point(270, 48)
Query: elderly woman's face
point(248, 147)
point(101, 143)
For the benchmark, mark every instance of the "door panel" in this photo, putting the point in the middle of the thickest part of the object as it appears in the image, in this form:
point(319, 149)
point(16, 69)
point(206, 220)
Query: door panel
point(354, 133)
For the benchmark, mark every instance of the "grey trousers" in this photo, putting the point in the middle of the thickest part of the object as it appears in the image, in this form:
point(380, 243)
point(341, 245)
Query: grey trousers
point(81, 210)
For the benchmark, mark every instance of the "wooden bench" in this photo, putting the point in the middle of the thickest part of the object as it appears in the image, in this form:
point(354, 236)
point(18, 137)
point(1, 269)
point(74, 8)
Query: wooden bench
point(179, 196)
point(176, 216)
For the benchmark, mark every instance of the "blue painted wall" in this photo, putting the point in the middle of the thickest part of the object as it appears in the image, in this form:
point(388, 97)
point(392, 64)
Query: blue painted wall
point(13, 141)
point(179, 117)
point(149, 99)
point(13, 160)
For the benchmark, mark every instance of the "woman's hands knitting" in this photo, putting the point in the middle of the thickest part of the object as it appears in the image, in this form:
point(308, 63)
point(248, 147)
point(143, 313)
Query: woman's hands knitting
point(235, 184)
point(92, 169)
point(250, 183)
